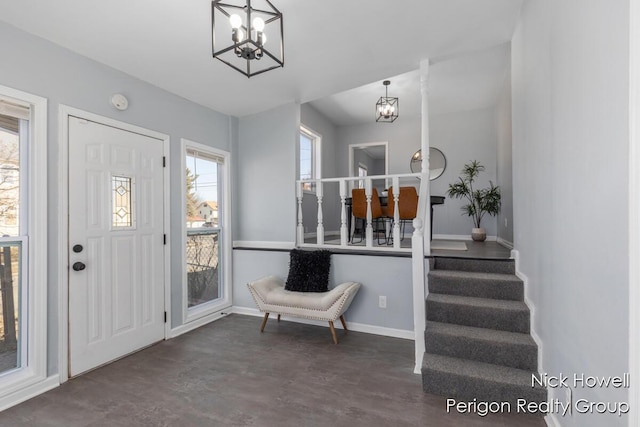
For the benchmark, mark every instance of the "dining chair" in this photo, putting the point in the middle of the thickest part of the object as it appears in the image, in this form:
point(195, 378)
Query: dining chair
point(359, 210)
point(407, 208)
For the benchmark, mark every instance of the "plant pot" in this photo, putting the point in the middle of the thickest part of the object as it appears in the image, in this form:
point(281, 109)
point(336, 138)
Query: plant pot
point(478, 234)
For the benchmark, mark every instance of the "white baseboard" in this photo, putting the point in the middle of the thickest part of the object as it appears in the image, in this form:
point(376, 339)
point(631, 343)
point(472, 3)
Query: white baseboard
point(260, 244)
point(532, 309)
point(551, 419)
point(461, 237)
point(505, 243)
point(30, 392)
point(356, 327)
point(188, 327)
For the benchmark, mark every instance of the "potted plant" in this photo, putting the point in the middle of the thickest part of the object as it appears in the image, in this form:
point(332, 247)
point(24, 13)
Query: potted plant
point(481, 201)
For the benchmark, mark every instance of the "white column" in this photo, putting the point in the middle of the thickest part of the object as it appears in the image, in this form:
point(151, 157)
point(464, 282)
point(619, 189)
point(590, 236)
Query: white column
point(425, 190)
point(320, 229)
point(344, 236)
point(368, 192)
point(420, 241)
point(396, 211)
point(300, 228)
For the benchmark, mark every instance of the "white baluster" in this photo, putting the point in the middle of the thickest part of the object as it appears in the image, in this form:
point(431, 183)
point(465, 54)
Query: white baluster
point(368, 194)
point(320, 229)
point(344, 236)
point(300, 228)
point(396, 212)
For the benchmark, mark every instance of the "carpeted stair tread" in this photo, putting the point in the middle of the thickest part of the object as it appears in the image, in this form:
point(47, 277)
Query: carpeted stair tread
point(513, 349)
point(468, 379)
point(476, 284)
point(479, 312)
point(505, 266)
point(484, 334)
point(479, 302)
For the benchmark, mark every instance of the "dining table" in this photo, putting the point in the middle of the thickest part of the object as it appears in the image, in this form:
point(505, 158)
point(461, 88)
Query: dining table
point(434, 200)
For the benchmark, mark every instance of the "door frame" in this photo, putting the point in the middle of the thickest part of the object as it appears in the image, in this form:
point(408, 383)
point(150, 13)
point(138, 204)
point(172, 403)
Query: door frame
point(634, 209)
point(63, 223)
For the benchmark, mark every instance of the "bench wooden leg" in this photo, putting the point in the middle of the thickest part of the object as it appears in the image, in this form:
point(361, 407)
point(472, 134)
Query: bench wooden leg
point(278, 317)
point(264, 322)
point(333, 332)
point(344, 324)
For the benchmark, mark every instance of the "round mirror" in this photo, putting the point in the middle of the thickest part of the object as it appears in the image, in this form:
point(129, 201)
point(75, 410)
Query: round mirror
point(437, 163)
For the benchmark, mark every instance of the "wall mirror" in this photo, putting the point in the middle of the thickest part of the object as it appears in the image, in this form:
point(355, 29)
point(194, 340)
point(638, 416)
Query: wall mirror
point(437, 163)
point(369, 159)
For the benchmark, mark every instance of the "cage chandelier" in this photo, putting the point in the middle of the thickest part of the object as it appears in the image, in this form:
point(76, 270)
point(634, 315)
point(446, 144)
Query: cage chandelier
point(387, 108)
point(239, 34)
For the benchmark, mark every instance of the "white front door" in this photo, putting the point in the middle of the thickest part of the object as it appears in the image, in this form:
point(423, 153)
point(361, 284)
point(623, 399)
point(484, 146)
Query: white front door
point(116, 239)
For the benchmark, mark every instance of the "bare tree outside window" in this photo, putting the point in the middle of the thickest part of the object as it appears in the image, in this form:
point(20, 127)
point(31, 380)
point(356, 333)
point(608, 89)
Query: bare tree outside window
point(9, 251)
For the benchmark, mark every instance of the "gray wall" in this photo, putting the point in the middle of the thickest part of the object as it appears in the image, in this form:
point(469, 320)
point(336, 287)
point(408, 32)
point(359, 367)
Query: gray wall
point(403, 137)
point(504, 166)
point(570, 186)
point(389, 276)
point(462, 137)
point(265, 207)
point(34, 65)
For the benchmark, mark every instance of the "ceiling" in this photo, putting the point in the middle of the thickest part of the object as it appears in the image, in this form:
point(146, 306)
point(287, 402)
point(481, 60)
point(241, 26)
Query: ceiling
point(330, 46)
point(458, 83)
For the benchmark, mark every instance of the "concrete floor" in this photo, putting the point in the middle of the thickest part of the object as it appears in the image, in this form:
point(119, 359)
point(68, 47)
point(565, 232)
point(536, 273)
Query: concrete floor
point(229, 374)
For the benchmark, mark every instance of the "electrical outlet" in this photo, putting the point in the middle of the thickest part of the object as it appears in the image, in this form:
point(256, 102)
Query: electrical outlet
point(382, 301)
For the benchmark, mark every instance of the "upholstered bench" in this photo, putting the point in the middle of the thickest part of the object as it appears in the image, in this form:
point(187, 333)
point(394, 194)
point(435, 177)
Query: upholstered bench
point(271, 297)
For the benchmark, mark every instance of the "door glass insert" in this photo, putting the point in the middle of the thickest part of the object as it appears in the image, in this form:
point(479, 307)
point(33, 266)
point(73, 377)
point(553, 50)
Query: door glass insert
point(122, 206)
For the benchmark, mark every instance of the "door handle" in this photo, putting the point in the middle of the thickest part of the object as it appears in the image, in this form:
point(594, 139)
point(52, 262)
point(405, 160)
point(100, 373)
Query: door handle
point(78, 266)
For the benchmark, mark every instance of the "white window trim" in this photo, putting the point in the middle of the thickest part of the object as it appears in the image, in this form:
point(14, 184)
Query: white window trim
point(63, 224)
point(212, 308)
point(316, 149)
point(20, 384)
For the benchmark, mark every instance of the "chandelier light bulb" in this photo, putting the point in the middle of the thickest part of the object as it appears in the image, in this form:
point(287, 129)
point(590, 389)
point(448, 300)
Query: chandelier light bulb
point(235, 21)
point(258, 24)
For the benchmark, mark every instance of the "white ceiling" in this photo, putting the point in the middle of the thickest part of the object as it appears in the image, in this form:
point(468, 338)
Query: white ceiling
point(330, 45)
point(457, 83)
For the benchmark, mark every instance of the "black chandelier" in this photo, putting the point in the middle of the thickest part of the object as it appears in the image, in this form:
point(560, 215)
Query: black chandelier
point(248, 28)
point(387, 109)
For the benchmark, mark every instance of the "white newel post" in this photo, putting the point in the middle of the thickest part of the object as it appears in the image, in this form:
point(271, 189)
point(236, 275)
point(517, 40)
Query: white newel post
point(300, 228)
point(320, 229)
point(420, 240)
point(396, 211)
point(368, 193)
point(344, 237)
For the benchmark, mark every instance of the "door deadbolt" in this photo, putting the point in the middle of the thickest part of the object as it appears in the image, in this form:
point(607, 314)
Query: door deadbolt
point(77, 248)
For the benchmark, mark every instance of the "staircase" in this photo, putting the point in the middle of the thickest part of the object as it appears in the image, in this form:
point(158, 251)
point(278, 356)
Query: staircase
point(477, 333)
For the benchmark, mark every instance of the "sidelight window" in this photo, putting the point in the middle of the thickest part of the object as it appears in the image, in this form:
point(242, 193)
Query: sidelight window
point(23, 257)
point(206, 248)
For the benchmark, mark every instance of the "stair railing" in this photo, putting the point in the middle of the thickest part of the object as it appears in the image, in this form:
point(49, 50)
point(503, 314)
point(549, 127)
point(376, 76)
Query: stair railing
point(346, 184)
